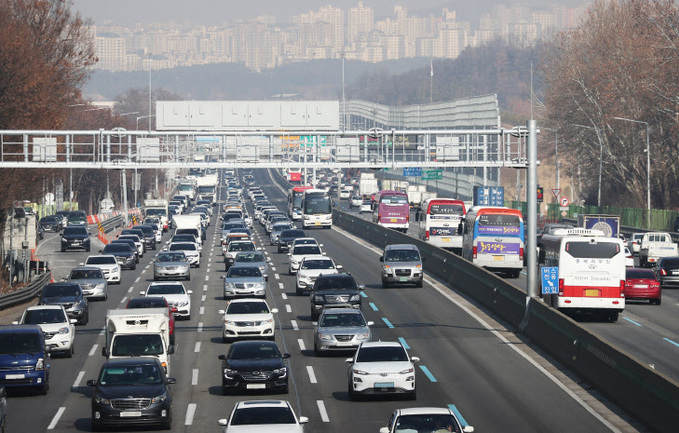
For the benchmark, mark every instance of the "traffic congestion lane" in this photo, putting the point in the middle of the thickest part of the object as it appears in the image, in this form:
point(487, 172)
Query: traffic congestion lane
point(360, 265)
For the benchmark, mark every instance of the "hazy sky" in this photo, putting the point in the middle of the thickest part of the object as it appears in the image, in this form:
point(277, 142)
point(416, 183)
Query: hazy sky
point(217, 11)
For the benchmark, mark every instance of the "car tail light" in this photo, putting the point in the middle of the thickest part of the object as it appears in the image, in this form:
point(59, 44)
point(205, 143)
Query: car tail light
point(521, 254)
point(561, 284)
point(622, 288)
point(426, 235)
point(408, 218)
point(663, 272)
point(474, 250)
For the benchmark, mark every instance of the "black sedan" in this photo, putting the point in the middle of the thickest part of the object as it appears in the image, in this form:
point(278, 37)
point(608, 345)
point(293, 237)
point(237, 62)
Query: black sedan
point(254, 365)
point(287, 237)
point(51, 224)
point(124, 254)
point(132, 391)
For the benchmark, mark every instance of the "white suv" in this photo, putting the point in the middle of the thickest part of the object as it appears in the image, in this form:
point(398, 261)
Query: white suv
point(58, 329)
point(249, 318)
point(381, 367)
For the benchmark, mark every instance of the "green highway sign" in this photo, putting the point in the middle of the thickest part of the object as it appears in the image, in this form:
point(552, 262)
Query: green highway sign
point(432, 174)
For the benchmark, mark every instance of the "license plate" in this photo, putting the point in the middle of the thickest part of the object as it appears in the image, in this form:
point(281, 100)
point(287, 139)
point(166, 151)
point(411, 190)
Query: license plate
point(130, 414)
point(498, 258)
point(318, 223)
point(445, 239)
point(256, 386)
point(592, 292)
point(393, 220)
point(402, 279)
point(640, 286)
point(384, 384)
point(15, 376)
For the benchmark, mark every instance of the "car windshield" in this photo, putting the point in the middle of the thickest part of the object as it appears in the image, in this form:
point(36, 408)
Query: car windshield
point(292, 233)
point(101, 261)
point(263, 415)
point(147, 303)
point(171, 257)
point(183, 238)
point(402, 256)
point(280, 227)
point(247, 308)
point(394, 199)
point(670, 263)
point(425, 423)
point(166, 289)
point(147, 374)
point(241, 246)
point(317, 264)
point(341, 320)
point(249, 257)
point(74, 231)
point(381, 353)
point(306, 250)
point(48, 220)
point(184, 246)
point(40, 316)
point(254, 351)
point(20, 342)
point(243, 271)
point(117, 248)
point(85, 274)
point(640, 273)
point(60, 290)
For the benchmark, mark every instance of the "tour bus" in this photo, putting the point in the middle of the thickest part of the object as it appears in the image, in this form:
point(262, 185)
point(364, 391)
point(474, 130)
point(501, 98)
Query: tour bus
point(392, 210)
point(438, 220)
point(316, 209)
point(493, 238)
point(591, 271)
point(295, 201)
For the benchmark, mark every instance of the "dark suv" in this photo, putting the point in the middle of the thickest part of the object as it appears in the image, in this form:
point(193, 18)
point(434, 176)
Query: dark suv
point(149, 235)
point(75, 237)
point(333, 291)
point(148, 240)
point(24, 358)
point(71, 296)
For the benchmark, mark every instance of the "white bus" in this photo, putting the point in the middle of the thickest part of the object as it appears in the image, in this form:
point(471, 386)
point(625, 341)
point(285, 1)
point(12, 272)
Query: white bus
point(316, 209)
point(591, 274)
point(438, 220)
point(493, 238)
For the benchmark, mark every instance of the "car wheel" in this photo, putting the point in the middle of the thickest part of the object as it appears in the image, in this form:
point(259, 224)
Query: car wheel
point(317, 352)
point(351, 392)
point(188, 277)
point(226, 340)
point(413, 395)
point(105, 297)
point(167, 425)
point(187, 317)
point(134, 266)
point(225, 390)
point(656, 301)
point(420, 283)
point(172, 339)
point(285, 389)
point(69, 352)
point(385, 285)
point(613, 317)
point(45, 387)
point(63, 250)
point(155, 278)
point(95, 426)
point(84, 320)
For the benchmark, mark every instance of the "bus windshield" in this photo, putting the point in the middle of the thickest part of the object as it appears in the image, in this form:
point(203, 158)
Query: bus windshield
point(394, 199)
point(446, 209)
point(317, 204)
point(499, 224)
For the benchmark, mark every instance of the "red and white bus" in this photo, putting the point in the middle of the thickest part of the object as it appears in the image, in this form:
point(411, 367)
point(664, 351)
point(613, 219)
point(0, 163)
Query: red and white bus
point(295, 201)
point(591, 271)
point(438, 221)
point(392, 210)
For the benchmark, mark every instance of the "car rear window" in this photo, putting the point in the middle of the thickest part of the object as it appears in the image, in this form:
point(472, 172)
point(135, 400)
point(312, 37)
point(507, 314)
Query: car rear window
point(640, 273)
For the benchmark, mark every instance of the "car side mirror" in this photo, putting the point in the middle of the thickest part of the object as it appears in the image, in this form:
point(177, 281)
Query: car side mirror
point(361, 287)
point(104, 351)
point(222, 312)
point(286, 355)
point(222, 357)
point(370, 323)
point(303, 420)
point(190, 292)
point(16, 322)
point(170, 350)
point(424, 259)
point(170, 380)
point(414, 359)
point(382, 259)
point(274, 310)
point(349, 360)
point(339, 266)
point(143, 292)
point(91, 382)
point(384, 429)
point(73, 321)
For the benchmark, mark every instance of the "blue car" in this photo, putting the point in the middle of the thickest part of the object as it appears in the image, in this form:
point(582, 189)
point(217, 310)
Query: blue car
point(24, 358)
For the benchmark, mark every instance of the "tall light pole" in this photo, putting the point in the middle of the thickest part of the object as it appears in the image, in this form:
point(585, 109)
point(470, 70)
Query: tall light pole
point(150, 69)
point(344, 100)
point(648, 166)
point(601, 158)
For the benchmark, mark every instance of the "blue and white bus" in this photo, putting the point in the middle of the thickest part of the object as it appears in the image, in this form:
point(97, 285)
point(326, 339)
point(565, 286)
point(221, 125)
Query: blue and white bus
point(493, 238)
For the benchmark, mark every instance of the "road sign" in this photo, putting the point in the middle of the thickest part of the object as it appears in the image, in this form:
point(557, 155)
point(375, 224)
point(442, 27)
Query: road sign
point(540, 194)
point(550, 280)
point(556, 192)
point(412, 171)
point(564, 201)
point(432, 175)
point(489, 196)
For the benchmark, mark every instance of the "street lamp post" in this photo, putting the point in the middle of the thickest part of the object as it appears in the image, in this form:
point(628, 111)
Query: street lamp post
point(150, 69)
point(648, 165)
point(145, 117)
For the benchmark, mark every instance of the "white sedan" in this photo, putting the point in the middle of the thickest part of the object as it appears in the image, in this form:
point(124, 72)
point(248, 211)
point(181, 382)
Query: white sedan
point(249, 318)
point(263, 416)
point(176, 295)
point(108, 264)
point(381, 367)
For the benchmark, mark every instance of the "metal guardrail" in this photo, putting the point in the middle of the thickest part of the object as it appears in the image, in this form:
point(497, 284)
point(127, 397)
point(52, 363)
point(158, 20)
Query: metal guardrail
point(112, 223)
point(25, 294)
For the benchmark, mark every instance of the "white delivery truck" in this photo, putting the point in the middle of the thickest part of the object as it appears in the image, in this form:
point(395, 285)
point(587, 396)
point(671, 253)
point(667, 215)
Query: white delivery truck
point(189, 224)
point(207, 188)
point(367, 184)
point(187, 187)
point(138, 332)
point(655, 245)
point(157, 208)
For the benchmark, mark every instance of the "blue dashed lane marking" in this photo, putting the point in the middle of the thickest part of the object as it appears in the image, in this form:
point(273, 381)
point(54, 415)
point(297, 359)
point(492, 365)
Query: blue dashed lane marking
point(632, 321)
point(458, 415)
point(403, 342)
point(387, 322)
point(373, 306)
point(670, 341)
point(427, 373)
point(364, 295)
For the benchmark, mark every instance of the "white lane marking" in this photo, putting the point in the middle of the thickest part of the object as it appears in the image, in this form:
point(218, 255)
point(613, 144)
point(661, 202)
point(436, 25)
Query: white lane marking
point(201, 311)
point(78, 379)
point(147, 266)
point(208, 268)
point(322, 411)
point(194, 377)
point(93, 350)
point(130, 290)
point(200, 327)
point(277, 276)
point(122, 301)
point(137, 280)
point(102, 332)
point(273, 268)
point(281, 286)
point(288, 308)
point(190, 412)
point(207, 277)
point(302, 346)
point(284, 296)
point(56, 418)
point(312, 375)
point(203, 298)
point(196, 349)
point(294, 325)
point(205, 288)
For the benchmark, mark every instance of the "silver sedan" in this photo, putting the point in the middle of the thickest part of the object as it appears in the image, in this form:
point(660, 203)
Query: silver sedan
point(252, 258)
point(171, 265)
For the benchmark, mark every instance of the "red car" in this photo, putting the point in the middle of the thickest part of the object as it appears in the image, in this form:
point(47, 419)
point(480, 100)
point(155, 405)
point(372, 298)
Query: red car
point(642, 284)
point(153, 302)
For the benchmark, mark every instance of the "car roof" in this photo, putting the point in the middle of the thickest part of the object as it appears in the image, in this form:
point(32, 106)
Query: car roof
point(14, 329)
point(400, 247)
point(111, 256)
point(381, 344)
point(137, 360)
point(45, 307)
point(86, 268)
point(317, 257)
point(343, 310)
point(424, 411)
point(262, 403)
point(240, 300)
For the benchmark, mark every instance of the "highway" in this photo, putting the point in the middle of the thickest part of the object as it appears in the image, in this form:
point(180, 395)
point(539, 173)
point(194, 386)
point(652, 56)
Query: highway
point(491, 377)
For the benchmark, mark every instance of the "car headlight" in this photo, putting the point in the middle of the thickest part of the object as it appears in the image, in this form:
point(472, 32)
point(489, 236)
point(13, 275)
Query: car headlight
point(357, 371)
point(257, 286)
point(282, 372)
point(325, 336)
point(355, 298)
point(229, 373)
point(99, 286)
point(418, 267)
point(262, 269)
point(183, 303)
point(40, 364)
point(363, 336)
point(159, 399)
point(64, 330)
point(229, 286)
point(230, 322)
point(101, 400)
point(318, 298)
point(406, 371)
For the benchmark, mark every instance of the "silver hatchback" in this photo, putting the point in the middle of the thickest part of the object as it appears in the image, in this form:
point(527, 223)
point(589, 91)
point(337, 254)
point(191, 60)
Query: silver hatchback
point(402, 264)
point(340, 329)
